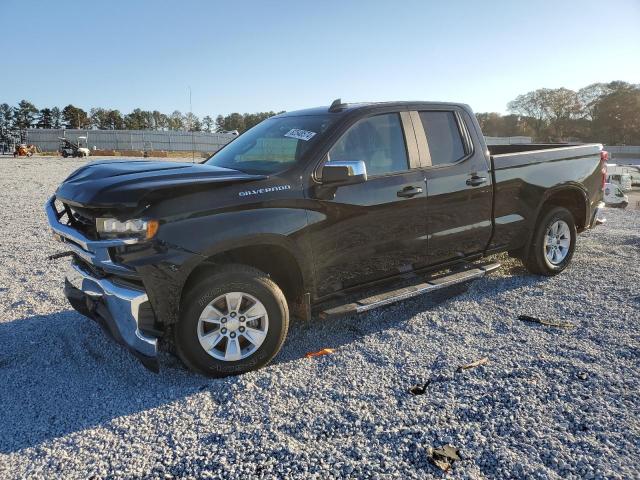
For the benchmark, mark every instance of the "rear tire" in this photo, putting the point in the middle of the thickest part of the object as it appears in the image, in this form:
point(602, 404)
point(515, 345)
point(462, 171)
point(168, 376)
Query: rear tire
point(553, 242)
point(239, 314)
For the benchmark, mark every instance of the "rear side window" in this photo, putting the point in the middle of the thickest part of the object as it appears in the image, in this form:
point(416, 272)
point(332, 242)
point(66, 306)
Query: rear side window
point(443, 136)
point(377, 141)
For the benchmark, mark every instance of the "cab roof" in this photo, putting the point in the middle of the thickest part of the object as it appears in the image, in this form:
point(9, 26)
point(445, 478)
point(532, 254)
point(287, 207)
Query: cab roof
point(343, 108)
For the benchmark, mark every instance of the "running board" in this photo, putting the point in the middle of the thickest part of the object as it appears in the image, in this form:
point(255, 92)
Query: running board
point(386, 298)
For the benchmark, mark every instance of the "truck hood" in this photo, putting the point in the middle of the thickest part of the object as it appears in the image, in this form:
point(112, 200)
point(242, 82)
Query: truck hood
point(125, 184)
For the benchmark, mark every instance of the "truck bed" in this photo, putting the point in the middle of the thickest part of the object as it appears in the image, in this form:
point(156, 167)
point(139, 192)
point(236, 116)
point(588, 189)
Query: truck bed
point(507, 156)
point(523, 174)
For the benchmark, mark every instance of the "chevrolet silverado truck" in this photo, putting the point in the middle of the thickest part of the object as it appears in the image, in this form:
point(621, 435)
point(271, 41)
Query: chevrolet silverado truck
point(323, 212)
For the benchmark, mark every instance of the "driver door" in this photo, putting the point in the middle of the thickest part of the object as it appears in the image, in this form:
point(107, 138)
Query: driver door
point(374, 229)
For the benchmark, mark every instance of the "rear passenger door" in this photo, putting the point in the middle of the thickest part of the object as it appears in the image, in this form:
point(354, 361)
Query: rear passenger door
point(377, 228)
point(459, 189)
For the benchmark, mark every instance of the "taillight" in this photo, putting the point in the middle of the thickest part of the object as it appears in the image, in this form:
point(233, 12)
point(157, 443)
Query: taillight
point(604, 158)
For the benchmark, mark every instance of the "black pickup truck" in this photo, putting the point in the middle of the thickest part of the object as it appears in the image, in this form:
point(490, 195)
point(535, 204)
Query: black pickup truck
point(329, 211)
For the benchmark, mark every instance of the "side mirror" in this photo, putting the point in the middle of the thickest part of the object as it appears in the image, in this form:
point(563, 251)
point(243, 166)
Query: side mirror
point(337, 174)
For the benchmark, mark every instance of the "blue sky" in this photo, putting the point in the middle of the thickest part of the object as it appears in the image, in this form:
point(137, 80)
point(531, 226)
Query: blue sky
point(283, 55)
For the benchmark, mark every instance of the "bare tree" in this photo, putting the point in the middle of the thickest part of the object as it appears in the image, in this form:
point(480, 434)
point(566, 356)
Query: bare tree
point(561, 106)
point(533, 105)
point(615, 116)
point(589, 96)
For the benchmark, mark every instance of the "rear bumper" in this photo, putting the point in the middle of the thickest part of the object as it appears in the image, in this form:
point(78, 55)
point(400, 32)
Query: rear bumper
point(116, 308)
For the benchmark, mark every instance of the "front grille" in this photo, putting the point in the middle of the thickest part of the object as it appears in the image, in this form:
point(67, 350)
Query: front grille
point(80, 219)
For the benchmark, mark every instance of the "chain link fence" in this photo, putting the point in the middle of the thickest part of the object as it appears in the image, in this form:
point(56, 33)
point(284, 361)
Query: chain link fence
point(47, 140)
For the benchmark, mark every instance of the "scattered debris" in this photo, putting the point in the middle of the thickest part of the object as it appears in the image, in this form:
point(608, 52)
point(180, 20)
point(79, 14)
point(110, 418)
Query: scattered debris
point(444, 457)
point(419, 388)
point(324, 351)
point(583, 375)
point(548, 323)
point(55, 256)
point(477, 363)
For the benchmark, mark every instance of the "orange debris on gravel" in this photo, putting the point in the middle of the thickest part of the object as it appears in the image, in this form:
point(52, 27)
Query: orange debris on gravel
point(324, 351)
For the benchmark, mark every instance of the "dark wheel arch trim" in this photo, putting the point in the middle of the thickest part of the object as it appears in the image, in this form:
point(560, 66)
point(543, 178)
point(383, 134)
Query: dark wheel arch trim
point(565, 187)
point(302, 260)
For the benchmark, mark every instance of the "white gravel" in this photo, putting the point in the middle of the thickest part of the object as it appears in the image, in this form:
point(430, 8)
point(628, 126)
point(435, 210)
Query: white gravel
point(551, 402)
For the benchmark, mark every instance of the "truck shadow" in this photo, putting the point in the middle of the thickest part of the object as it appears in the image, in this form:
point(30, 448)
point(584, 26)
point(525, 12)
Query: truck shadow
point(313, 336)
point(60, 374)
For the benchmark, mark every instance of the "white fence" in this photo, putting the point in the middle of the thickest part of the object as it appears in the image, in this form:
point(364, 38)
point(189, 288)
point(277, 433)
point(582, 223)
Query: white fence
point(630, 150)
point(624, 154)
point(172, 141)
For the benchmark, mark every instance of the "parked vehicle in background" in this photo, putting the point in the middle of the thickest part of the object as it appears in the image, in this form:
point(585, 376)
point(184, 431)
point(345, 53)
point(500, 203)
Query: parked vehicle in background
point(69, 148)
point(618, 174)
point(332, 210)
point(614, 196)
point(634, 173)
point(23, 150)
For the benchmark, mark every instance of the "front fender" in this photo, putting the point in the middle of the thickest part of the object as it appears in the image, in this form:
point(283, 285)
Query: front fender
point(190, 241)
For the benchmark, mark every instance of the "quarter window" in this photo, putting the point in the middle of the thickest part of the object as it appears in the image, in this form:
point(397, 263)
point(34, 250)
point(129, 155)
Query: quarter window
point(377, 141)
point(443, 136)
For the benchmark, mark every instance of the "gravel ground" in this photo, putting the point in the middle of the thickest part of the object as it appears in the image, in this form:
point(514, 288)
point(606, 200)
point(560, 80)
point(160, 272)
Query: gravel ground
point(551, 402)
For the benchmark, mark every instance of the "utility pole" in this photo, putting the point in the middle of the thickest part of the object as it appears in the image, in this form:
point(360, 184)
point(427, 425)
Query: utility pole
point(193, 142)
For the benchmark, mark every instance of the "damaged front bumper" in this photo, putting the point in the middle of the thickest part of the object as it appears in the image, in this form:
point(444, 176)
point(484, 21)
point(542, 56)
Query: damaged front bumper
point(106, 293)
point(116, 308)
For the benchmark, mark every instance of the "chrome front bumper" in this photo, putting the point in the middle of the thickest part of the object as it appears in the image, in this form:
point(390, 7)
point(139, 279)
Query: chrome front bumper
point(116, 308)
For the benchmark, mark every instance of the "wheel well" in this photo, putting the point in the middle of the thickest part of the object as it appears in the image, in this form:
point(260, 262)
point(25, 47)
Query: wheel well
point(571, 199)
point(275, 261)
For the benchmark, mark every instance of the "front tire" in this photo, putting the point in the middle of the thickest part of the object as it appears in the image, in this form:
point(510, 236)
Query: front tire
point(553, 243)
point(232, 321)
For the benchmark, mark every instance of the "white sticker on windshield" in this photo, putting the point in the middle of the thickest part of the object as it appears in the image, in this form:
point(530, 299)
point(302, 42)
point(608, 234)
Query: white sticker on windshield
point(300, 134)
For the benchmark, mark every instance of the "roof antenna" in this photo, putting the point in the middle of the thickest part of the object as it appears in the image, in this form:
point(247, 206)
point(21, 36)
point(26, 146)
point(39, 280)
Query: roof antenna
point(336, 105)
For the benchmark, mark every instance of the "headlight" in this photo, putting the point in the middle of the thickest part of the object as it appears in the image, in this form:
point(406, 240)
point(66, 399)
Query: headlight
point(110, 227)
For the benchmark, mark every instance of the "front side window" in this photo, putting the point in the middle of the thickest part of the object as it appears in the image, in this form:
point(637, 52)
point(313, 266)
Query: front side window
point(443, 136)
point(273, 145)
point(378, 141)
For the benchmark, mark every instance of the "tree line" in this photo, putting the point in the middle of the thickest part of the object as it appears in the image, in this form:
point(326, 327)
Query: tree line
point(27, 115)
point(600, 112)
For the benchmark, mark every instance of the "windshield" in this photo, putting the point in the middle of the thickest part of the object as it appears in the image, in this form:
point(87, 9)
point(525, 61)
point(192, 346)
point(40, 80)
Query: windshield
point(273, 145)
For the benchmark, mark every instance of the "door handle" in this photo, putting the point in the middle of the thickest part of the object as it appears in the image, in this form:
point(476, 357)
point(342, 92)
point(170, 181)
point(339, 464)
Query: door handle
point(410, 191)
point(475, 180)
